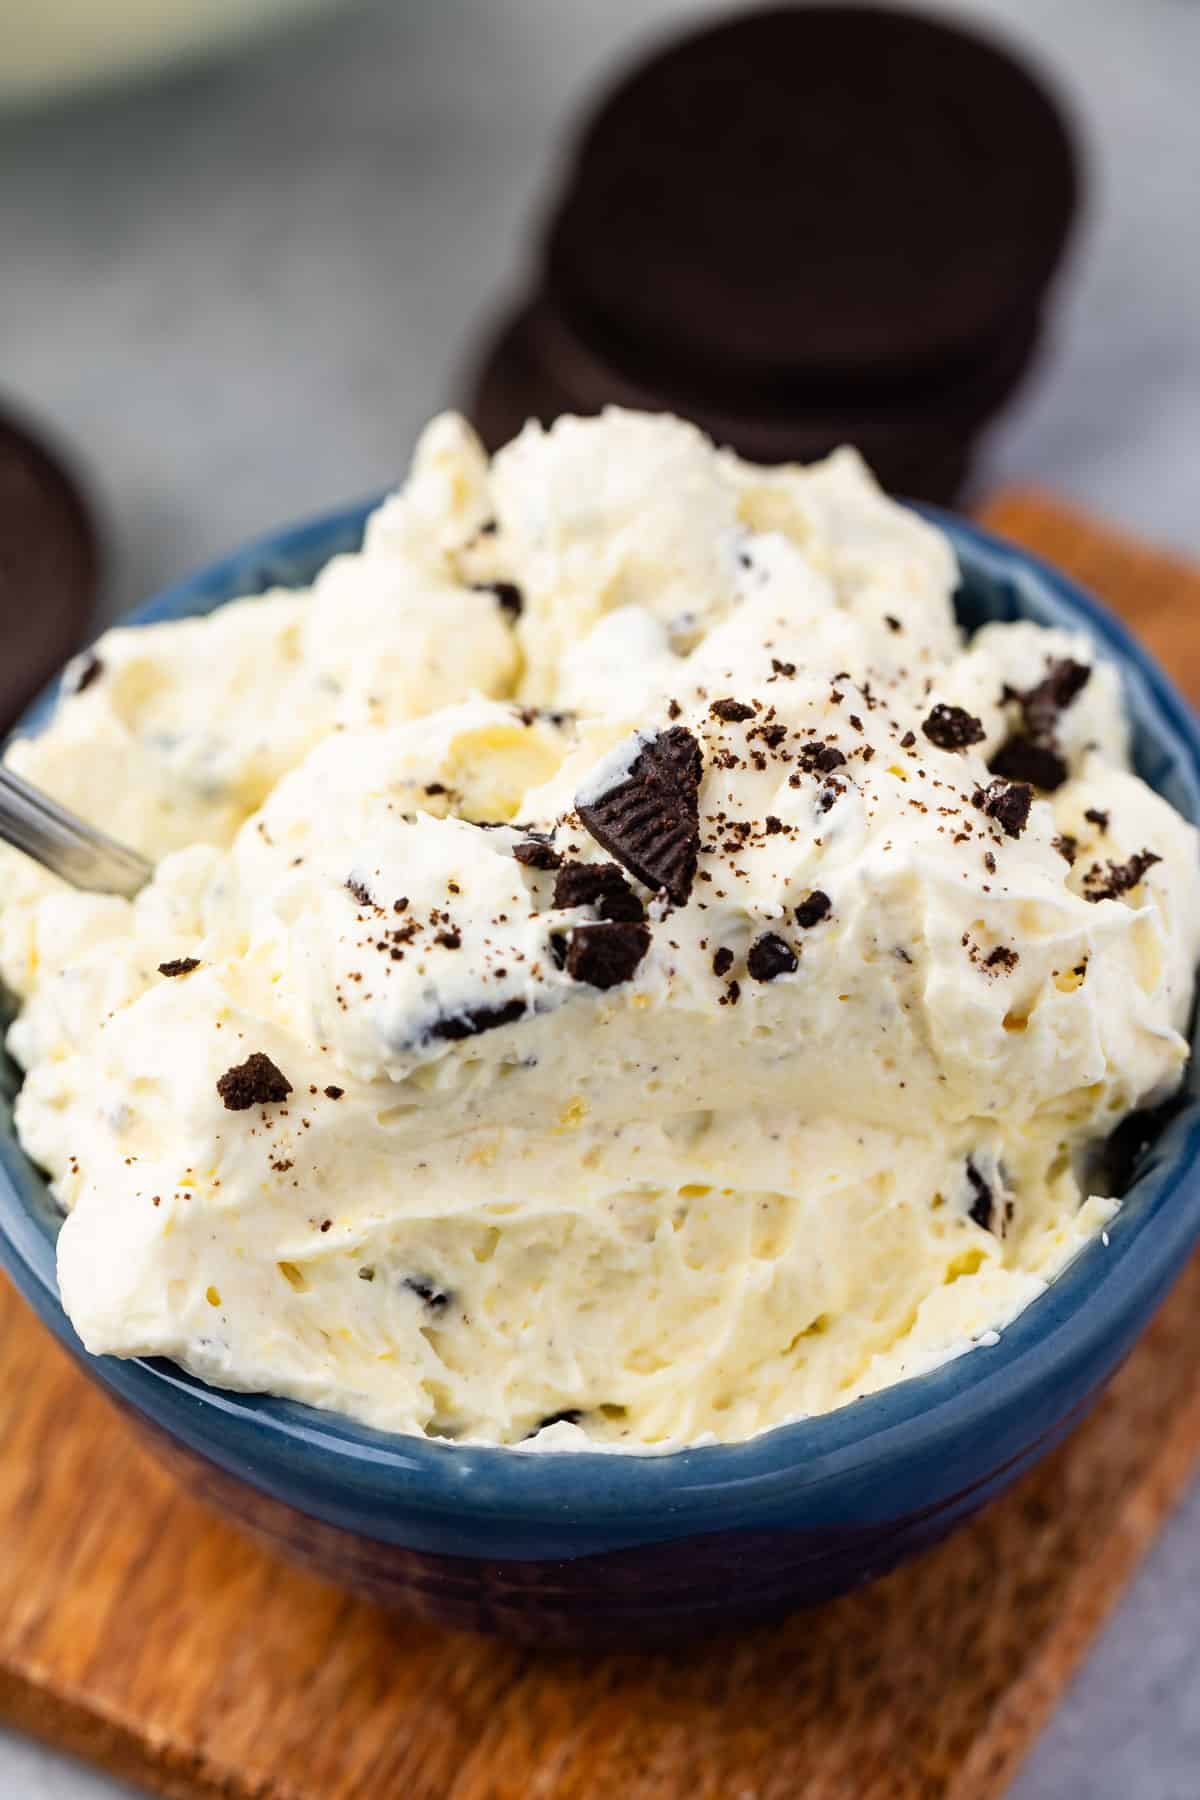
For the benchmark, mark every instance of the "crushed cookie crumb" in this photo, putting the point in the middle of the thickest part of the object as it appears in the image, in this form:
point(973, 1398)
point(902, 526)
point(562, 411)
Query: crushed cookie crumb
point(769, 957)
point(534, 854)
point(474, 1020)
point(435, 1298)
point(953, 728)
point(1023, 759)
point(256, 1082)
point(605, 956)
point(600, 885)
point(820, 759)
point(813, 908)
point(1115, 879)
point(1008, 802)
point(731, 712)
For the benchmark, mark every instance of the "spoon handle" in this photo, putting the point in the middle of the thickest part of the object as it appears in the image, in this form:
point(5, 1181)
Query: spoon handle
point(66, 844)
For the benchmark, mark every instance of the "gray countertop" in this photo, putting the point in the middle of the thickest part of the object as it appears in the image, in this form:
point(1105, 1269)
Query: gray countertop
point(236, 295)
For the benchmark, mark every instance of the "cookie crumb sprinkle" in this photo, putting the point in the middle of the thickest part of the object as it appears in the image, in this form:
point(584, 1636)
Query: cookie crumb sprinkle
point(256, 1082)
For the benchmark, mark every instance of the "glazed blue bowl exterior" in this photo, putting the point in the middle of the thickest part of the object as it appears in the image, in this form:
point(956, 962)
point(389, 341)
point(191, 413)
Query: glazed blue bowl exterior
point(591, 1548)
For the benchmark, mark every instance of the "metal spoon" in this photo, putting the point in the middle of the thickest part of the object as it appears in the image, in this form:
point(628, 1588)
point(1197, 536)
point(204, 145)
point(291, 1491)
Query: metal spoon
point(66, 844)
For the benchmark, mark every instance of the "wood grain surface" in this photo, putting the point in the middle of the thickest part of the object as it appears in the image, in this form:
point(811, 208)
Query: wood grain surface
point(141, 1632)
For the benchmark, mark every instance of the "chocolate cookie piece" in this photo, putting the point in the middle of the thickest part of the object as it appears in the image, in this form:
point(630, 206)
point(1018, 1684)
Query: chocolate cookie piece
point(535, 854)
point(83, 674)
point(435, 1298)
point(475, 1019)
point(570, 1415)
point(1114, 879)
point(649, 819)
point(812, 909)
point(985, 1205)
point(604, 956)
point(1061, 685)
point(770, 956)
point(601, 885)
point(881, 129)
point(1127, 1149)
point(1008, 802)
point(982, 1208)
point(49, 566)
point(1023, 759)
point(256, 1082)
point(953, 728)
point(820, 759)
point(1002, 960)
point(1031, 751)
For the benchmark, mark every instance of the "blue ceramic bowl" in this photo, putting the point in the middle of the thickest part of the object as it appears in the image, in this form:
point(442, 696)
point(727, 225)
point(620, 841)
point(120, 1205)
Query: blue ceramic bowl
point(594, 1548)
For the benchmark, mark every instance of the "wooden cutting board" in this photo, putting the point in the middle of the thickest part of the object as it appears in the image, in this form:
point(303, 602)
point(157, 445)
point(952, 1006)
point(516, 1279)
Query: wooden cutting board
point(141, 1632)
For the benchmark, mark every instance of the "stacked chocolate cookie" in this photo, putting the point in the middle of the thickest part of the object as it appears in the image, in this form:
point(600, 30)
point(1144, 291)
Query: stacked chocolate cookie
point(49, 567)
point(802, 227)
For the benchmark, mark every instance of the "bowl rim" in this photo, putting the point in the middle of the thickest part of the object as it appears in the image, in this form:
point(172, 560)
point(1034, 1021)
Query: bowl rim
point(1055, 1338)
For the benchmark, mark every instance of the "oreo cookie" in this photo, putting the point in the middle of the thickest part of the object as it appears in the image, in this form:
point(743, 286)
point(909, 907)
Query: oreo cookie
point(49, 566)
point(801, 227)
point(648, 816)
point(537, 367)
point(792, 165)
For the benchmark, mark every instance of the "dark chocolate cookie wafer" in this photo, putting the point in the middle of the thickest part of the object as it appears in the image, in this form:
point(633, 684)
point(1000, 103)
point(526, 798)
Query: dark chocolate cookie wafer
point(853, 192)
point(801, 228)
point(48, 568)
point(647, 816)
point(536, 368)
